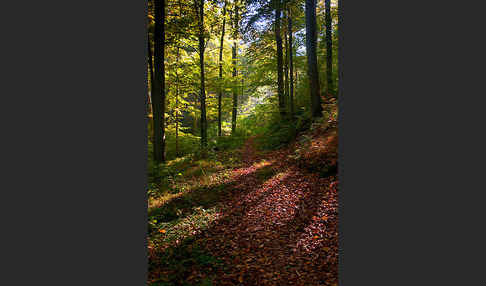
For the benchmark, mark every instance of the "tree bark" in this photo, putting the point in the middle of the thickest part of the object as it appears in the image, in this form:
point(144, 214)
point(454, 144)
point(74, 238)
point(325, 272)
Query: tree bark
point(220, 91)
point(340, 91)
point(291, 62)
point(158, 93)
point(204, 133)
point(177, 105)
point(328, 19)
point(286, 69)
point(312, 71)
point(177, 89)
point(151, 88)
point(196, 101)
point(235, 71)
point(151, 74)
point(296, 77)
point(278, 39)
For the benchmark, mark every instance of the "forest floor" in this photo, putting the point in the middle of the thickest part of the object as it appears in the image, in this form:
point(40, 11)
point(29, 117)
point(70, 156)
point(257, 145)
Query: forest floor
point(268, 218)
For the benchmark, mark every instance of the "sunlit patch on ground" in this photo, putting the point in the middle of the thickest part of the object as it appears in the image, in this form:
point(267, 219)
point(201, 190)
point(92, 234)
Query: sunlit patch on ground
point(183, 187)
point(263, 163)
point(171, 233)
point(275, 203)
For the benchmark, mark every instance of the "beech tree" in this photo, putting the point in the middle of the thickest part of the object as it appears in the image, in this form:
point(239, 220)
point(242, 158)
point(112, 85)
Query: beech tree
point(220, 88)
point(158, 92)
point(328, 19)
point(311, 46)
point(235, 71)
point(278, 40)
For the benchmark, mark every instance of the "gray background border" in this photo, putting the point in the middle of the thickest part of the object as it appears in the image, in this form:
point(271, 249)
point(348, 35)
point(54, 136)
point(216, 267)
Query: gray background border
point(74, 157)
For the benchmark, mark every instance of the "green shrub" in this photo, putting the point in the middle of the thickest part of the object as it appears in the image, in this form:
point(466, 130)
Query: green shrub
point(277, 134)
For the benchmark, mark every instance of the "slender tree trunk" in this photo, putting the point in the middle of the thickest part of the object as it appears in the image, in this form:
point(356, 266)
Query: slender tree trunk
point(340, 59)
point(296, 77)
point(328, 19)
point(235, 71)
point(158, 93)
point(151, 74)
point(311, 43)
point(220, 91)
point(149, 94)
point(278, 39)
point(291, 61)
point(242, 91)
point(235, 92)
point(195, 113)
point(286, 69)
point(177, 90)
point(204, 134)
point(286, 59)
point(177, 105)
point(242, 85)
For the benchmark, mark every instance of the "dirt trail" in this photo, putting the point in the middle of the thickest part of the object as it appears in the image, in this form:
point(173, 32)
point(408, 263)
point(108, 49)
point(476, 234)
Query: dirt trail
point(249, 151)
point(279, 225)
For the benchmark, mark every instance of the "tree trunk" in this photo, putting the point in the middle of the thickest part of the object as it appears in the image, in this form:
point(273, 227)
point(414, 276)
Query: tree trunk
point(220, 91)
point(286, 59)
point(177, 89)
point(340, 61)
point(296, 77)
point(151, 74)
point(311, 43)
point(150, 127)
point(177, 105)
point(291, 61)
point(204, 134)
point(235, 92)
point(158, 93)
point(286, 70)
point(194, 128)
point(242, 85)
point(235, 72)
point(278, 38)
point(328, 19)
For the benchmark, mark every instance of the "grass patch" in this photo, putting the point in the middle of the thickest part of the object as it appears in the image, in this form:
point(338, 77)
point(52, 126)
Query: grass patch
point(185, 173)
point(187, 264)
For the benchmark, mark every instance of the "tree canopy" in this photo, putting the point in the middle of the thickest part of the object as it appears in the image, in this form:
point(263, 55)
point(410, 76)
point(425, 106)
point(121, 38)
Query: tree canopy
point(253, 53)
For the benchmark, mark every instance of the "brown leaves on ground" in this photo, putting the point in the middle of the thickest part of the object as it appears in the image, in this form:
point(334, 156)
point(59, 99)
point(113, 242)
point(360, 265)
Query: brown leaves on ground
point(279, 222)
point(320, 152)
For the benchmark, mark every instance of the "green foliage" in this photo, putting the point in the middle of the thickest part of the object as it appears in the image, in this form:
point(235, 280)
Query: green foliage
point(189, 255)
point(186, 141)
point(227, 143)
point(278, 134)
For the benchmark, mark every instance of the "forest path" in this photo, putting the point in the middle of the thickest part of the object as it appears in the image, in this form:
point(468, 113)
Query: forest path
point(280, 225)
point(277, 226)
